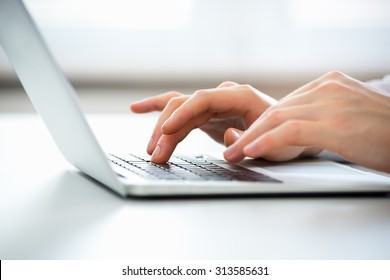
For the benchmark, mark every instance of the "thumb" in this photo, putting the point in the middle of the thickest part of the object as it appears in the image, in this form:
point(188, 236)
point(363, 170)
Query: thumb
point(232, 135)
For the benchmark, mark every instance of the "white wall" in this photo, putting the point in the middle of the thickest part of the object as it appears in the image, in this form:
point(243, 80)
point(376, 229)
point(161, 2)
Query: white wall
point(184, 40)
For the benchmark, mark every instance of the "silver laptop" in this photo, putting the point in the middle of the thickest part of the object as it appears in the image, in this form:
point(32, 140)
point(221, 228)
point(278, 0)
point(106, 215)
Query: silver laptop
point(130, 175)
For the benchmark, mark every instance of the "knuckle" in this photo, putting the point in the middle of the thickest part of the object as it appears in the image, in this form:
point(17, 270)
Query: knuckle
point(246, 87)
point(175, 101)
point(335, 74)
point(173, 94)
point(200, 93)
point(227, 84)
point(248, 92)
point(274, 115)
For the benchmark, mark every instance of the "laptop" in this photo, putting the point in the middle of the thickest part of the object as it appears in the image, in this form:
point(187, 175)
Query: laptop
point(128, 174)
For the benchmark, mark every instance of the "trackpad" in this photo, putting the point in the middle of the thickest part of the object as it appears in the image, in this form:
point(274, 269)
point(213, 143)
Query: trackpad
point(320, 169)
point(309, 167)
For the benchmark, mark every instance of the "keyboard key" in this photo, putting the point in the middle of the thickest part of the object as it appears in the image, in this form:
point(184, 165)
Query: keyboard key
point(188, 168)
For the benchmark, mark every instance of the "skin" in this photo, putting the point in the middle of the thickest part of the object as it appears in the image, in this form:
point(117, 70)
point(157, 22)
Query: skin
point(215, 111)
point(334, 112)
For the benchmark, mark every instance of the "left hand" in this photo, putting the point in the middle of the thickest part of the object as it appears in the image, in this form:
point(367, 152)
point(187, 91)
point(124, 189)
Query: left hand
point(221, 112)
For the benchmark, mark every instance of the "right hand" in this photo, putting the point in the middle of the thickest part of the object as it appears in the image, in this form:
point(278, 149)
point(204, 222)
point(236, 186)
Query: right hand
point(334, 112)
point(223, 113)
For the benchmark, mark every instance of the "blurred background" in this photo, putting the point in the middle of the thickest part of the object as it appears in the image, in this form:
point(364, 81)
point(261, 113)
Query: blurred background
point(116, 51)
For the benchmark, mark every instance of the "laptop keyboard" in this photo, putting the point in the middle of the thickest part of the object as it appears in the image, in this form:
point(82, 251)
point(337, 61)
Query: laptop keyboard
point(197, 168)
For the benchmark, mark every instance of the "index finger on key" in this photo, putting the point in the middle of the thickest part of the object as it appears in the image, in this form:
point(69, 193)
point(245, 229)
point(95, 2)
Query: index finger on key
point(170, 107)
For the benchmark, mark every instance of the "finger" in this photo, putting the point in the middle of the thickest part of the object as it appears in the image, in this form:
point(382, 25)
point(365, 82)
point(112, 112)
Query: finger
point(317, 94)
point(311, 104)
point(279, 114)
point(167, 143)
point(287, 138)
point(326, 82)
point(234, 153)
point(232, 135)
point(170, 107)
point(268, 121)
point(225, 102)
point(165, 148)
point(196, 105)
point(155, 103)
point(216, 128)
point(329, 76)
point(334, 86)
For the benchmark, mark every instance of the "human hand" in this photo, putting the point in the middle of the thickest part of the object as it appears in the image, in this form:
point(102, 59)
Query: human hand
point(222, 113)
point(334, 112)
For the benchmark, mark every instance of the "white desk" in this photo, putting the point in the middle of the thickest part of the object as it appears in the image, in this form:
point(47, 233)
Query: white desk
point(48, 210)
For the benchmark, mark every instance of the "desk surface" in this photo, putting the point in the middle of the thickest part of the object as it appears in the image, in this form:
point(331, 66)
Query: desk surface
point(49, 211)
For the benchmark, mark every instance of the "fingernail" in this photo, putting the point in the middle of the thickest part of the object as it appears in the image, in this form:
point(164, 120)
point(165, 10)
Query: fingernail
point(235, 134)
point(164, 126)
point(229, 152)
point(156, 152)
